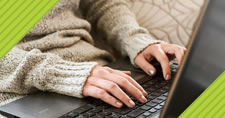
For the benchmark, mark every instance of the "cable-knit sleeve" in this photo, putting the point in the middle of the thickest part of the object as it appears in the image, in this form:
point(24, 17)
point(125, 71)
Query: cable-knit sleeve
point(118, 24)
point(24, 72)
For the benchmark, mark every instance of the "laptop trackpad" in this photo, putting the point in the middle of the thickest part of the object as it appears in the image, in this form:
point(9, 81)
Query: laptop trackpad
point(43, 105)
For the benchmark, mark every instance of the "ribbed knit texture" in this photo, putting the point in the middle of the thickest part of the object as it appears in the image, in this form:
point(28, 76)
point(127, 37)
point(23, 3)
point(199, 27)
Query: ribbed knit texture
point(58, 54)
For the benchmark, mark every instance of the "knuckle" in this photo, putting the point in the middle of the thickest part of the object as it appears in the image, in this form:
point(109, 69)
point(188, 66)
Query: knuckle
point(124, 81)
point(180, 49)
point(147, 55)
point(138, 57)
point(137, 60)
point(100, 93)
point(101, 71)
point(112, 86)
point(107, 68)
point(177, 48)
point(158, 46)
point(163, 58)
point(110, 98)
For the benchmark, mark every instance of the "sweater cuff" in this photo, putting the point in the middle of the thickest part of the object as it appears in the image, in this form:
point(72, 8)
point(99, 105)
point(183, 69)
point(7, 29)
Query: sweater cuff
point(68, 78)
point(137, 43)
point(54, 74)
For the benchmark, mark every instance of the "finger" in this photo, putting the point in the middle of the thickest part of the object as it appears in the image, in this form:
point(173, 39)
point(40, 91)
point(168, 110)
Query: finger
point(131, 80)
point(126, 85)
point(114, 89)
point(179, 55)
point(141, 62)
point(164, 62)
point(175, 50)
point(111, 70)
point(99, 93)
point(127, 72)
point(129, 84)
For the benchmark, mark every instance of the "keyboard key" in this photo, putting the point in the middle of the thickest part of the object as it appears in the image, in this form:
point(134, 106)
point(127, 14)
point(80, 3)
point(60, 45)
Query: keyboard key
point(174, 70)
point(141, 116)
point(145, 107)
point(156, 93)
point(158, 107)
point(95, 103)
point(89, 113)
point(157, 86)
point(151, 104)
point(125, 116)
point(163, 83)
point(138, 103)
point(153, 110)
point(147, 113)
point(105, 113)
point(162, 97)
point(167, 87)
point(100, 107)
point(135, 113)
point(165, 94)
point(82, 116)
point(146, 85)
point(72, 114)
point(150, 82)
point(122, 111)
point(99, 116)
point(83, 109)
point(157, 100)
point(95, 110)
point(150, 90)
point(105, 105)
point(113, 116)
point(162, 90)
point(150, 97)
point(162, 104)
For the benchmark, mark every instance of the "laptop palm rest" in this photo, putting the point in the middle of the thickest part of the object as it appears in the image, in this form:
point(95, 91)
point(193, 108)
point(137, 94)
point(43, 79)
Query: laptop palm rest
point(42, 105)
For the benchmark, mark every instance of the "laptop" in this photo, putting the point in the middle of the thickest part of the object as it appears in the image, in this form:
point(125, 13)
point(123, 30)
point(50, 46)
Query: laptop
point(202, 64)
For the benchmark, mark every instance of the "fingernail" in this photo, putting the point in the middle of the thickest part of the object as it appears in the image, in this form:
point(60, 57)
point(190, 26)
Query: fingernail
point(151, 72)
point(132, 103)
point(144, 100)
point(119, 104)
point(167, 77)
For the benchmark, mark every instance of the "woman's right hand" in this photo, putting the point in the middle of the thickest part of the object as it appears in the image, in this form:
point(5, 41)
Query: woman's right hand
point(105, 83)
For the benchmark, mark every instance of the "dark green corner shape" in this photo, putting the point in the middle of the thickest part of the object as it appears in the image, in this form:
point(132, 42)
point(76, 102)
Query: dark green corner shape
point(211, 103)
point(17, 17)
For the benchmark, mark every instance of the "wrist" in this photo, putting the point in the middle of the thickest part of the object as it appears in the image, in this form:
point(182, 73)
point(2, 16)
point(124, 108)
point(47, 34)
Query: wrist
point(137, 43)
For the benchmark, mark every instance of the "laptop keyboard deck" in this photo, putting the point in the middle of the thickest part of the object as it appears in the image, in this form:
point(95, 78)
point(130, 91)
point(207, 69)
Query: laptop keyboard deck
point(157, 89)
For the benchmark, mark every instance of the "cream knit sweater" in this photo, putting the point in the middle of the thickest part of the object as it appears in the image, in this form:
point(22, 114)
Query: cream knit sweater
point(58, 54)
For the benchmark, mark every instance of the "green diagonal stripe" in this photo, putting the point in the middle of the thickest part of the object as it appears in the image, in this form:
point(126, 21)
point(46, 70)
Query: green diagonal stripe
point(210, 104)
point(17, 17)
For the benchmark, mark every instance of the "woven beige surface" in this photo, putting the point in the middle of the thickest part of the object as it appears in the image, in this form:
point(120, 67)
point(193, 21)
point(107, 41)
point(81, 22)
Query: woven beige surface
point(168, 20)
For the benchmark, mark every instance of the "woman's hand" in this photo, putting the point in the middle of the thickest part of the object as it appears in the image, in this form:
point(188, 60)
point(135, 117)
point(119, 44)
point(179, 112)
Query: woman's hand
point(159, 52)
point(105, 83)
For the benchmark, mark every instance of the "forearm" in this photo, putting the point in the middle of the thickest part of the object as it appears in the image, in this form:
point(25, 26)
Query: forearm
point(119, 25)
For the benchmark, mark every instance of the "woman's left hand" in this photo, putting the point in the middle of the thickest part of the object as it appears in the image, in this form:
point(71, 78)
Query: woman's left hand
point(159, 52)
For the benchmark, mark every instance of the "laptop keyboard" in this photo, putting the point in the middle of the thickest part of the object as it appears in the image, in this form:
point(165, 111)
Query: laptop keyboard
point(156, 88)
point(157, 94)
